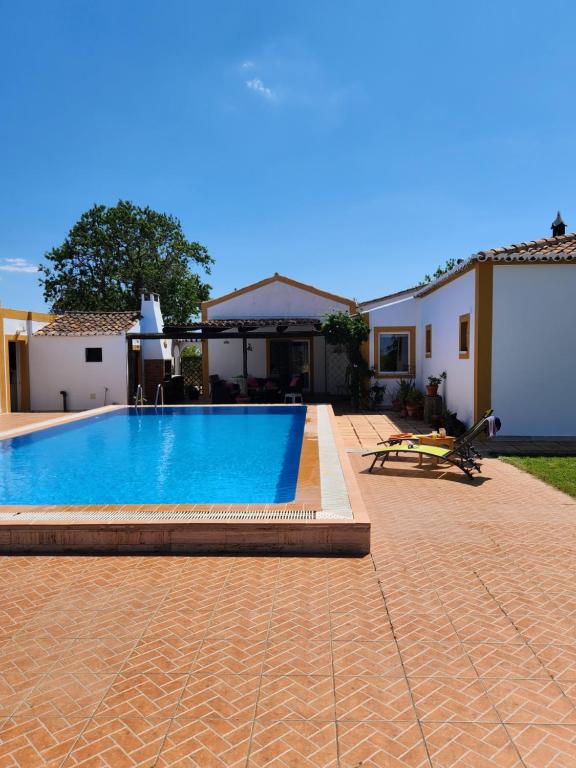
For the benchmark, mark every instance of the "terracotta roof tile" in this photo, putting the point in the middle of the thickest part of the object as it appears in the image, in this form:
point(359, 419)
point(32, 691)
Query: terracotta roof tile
point(560, 249)
point(90, 324)
point(251, 322)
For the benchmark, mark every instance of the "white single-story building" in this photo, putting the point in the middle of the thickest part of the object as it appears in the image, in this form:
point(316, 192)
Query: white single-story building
point(501, 325)
point(85, 355)
point(283, 318)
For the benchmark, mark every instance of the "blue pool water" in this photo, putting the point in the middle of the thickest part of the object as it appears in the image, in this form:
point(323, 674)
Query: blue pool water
point(174, 456)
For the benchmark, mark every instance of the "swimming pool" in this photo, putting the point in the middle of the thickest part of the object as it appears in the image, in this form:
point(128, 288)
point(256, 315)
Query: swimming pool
point(194, 455)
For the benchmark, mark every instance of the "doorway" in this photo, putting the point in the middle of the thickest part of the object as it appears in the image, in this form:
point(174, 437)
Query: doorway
point(18, 385)
point(291, 357)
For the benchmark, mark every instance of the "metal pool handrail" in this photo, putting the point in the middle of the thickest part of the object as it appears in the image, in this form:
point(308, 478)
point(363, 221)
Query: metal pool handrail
point(139, 395)
point(159, 394)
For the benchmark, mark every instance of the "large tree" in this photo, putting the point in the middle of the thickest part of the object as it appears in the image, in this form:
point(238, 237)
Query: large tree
point(113, 254)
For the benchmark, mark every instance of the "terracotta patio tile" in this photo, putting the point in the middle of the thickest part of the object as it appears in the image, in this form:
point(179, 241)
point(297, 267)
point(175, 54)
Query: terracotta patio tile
point(113, 743)
point(34, 742)
point(379, 744)
point(293, 601)
point(206, 743)
point(366, 658)
point(117, 624)
point(452, 699)
point(545, 745)
point(448, 659)
point(428, 627)
point(344, 601)
point(15, 686)
point(66, 694)
point(298, 657)
point(230, 657)
point(296, 625)
point(296, 697)
point(189, 624)
point(139, 695)
point(31, 654)
point(162, 652)
point(182, 598)
point(470, 745)
point(488, 626)
point(538, 629)
point(58, 625)
point(103, 656)
point(505, 660)
point(306, 744)
point(373, 698)
point(239, 623)
point(401, 602)
point(558, 660)
point(223, 696)
point(355, 626)
point(531, 701)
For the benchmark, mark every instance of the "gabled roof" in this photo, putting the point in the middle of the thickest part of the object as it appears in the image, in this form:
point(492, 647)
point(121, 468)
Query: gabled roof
point(561, 249)
point(90, 324)
point(276, 278)
point(397, 295)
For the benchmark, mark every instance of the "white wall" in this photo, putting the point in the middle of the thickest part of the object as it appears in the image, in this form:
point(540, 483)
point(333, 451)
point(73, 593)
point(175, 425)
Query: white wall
point(442, 310)
point(404, 312)
point(275, 299)
point(534, 349)
point(58, 363)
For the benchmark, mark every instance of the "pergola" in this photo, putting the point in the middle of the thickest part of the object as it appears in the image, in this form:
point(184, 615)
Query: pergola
point(241, 328)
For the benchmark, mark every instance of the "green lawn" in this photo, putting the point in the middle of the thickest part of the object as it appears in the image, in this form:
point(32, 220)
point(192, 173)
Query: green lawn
point(559, 471)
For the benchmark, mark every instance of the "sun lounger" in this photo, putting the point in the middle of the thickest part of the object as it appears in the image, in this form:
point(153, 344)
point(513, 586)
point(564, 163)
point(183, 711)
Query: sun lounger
point(462, 455)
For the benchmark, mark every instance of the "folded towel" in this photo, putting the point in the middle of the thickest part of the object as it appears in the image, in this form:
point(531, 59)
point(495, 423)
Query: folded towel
point(493, 425)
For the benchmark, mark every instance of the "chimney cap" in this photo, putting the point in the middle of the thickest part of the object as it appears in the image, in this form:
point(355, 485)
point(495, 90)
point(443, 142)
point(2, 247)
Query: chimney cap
point(558, 226)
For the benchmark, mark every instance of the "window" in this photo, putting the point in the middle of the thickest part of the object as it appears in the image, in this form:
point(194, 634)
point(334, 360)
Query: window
point(464, 337)
point(394, 352)
point(428, 341)
point(93, 354)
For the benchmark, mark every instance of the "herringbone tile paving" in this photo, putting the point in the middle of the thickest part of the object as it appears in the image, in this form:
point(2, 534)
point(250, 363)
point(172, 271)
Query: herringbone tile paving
point(452, 646)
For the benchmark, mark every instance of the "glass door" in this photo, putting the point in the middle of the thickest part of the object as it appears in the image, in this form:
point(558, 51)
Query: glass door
point(289, 358)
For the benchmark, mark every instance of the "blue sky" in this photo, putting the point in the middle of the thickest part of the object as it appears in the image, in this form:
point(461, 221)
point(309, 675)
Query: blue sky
point(352, 145)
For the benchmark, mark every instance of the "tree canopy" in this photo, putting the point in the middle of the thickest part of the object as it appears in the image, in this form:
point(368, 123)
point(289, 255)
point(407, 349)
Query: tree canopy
point(441, 270)
point(113, 254)
point(350, 332)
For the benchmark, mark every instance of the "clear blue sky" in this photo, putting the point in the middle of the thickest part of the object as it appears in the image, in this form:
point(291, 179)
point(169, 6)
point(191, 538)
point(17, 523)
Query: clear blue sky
point(352, 145)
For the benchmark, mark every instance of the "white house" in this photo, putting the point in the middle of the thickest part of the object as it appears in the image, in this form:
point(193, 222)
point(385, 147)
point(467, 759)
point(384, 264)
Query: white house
point(501, 325)
point(283, 317)
point(85, 355)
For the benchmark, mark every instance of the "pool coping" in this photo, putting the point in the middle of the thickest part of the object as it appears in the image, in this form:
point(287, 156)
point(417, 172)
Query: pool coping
point(343, 530)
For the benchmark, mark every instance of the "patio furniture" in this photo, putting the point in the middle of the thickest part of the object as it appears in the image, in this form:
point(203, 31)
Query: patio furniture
point(462, 454)
point(402, 437)
point(293, 397)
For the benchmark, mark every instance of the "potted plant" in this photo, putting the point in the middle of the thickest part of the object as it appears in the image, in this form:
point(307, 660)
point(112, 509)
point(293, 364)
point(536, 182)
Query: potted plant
point(377, 392)
point(405, 387)
point(433, 384)
point(414, 402)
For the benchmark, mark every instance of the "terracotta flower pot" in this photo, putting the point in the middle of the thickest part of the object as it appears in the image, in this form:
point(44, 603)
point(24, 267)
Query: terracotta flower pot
point(412, 410)
point(432, 390)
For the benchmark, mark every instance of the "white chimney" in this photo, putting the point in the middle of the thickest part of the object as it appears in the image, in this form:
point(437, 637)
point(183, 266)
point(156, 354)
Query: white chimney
point(152, 322)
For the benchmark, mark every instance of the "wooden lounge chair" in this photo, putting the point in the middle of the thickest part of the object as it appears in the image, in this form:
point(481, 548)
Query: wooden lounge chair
point(462, 455)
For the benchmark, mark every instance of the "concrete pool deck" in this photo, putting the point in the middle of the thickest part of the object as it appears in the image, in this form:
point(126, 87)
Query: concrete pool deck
point(326, 517)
